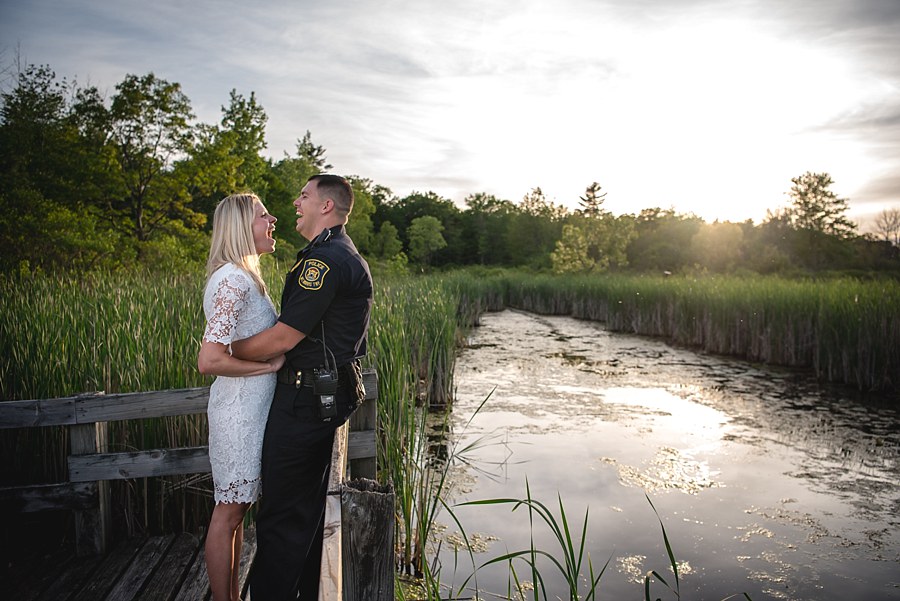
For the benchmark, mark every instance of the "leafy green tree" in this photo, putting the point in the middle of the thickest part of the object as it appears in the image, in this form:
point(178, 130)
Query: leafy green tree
point(387, 249)
point(593, 244)
point(41, 130)
point(534, 230)
point(425, 238)
point(870, 254)
point(572, 253)
point(225, 159)
point(284, 180)
point(817, 208)
point(592, 202)
point(770, 247)
point(593, 240)
point(210, 172)
point(244, 120)
point(813, 231)
point(718, 246)
point(486, 222)
point(359, 226)
point(53, 174)
point(40, 234)
point(663, 240)
point(386, 243)
point(150, 120)
point(312, 153)
point(402, 212)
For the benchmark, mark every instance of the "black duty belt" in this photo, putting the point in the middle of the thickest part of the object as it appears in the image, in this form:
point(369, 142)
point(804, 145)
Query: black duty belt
point(289, 375)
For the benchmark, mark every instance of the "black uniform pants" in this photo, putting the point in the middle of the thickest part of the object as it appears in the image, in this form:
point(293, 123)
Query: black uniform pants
point(296, 461)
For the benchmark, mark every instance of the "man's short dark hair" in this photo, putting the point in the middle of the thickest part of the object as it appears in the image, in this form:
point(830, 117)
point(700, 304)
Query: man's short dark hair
point(337, 189)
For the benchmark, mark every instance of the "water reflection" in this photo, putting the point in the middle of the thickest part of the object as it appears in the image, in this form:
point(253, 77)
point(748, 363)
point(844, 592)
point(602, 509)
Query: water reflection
point(766, 483)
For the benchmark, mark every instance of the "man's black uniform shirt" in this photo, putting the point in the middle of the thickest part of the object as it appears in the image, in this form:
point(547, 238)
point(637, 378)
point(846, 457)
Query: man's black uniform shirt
point(330, 283)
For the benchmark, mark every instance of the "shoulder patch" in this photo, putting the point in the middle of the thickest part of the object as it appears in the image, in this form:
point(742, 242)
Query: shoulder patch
point(312, 274)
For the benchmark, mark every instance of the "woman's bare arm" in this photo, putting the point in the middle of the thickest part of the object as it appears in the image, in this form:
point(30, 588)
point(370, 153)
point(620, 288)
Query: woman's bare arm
point(214, 359)
point(269, 343)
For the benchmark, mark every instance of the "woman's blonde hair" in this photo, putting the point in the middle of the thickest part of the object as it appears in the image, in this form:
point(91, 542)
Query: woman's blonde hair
point(232, 237)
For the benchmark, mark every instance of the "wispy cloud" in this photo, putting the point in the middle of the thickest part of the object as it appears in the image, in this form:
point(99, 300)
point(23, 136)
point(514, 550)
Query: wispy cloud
point(690, 103)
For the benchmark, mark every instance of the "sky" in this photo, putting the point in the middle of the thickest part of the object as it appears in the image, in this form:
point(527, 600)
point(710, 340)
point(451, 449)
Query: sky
point(705, 107)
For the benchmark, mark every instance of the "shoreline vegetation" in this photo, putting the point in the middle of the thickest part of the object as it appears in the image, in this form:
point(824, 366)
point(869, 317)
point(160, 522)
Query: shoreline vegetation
point(121, 332)
point(845, 330)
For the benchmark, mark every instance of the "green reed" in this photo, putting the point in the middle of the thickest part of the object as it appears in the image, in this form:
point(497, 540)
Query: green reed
point(114, 332)
point(846, 330)
point(111, 332)
point(65, 335)
point(412, 342)
point(580, 581)
point(569, 560)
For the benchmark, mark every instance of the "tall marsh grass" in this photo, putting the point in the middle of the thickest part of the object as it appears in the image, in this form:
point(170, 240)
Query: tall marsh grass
point(412, 343)
point(110, 332)
point(64, 335)
point(846, 330)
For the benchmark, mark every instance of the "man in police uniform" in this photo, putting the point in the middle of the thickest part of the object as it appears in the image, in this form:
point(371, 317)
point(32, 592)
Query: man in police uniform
point(322, 330)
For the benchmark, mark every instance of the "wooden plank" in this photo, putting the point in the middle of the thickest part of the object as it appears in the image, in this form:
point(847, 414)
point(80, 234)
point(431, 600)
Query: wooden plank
point(87, 467)
point(104, 495)
point(30, 414)
point(248, 553)
point(26, 581)
point(330, 583)
point(167, 578)
point(196, 583)
point(91, 526)
point(100, 407)
point(48, 497)
point(139, 464)
point(109, 571)
point(330, 575)
point(370, 383)
point(366, 416)
point(361, 446)
point(368, 540)
point(137, 574)
point(75, 575)
point(363, 425)
point(142, 405)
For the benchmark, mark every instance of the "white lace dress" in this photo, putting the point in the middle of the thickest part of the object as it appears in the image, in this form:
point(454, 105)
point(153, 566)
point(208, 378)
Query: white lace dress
point(238, 406)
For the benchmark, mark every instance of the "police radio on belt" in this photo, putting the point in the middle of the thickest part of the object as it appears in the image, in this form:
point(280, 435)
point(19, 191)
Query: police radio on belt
point(325, 383)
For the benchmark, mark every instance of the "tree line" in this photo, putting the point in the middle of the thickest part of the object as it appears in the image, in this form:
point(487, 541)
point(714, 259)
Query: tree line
point(88, 182)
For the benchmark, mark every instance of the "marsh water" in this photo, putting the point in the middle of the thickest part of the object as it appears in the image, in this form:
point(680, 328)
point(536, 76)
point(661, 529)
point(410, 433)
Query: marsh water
point(766, 483)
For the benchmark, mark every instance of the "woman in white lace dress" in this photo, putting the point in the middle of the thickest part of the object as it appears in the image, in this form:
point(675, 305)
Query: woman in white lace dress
point(237, 305)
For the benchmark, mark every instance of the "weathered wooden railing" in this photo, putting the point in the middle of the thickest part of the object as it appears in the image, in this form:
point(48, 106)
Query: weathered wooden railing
point(91, 466)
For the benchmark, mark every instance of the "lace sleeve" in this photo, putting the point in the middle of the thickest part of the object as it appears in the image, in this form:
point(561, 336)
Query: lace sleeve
point(229, 300)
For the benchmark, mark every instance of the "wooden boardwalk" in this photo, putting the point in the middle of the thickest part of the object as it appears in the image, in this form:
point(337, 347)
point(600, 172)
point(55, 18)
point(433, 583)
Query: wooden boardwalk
point(161, 568)
point(172, 567)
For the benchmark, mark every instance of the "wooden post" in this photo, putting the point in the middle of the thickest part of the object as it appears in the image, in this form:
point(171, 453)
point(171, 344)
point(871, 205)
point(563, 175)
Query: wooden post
point(354, 445)
point(363, 430)
point(91, 525)
point(330, 586)
point(363, 425)
point(367, 509)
